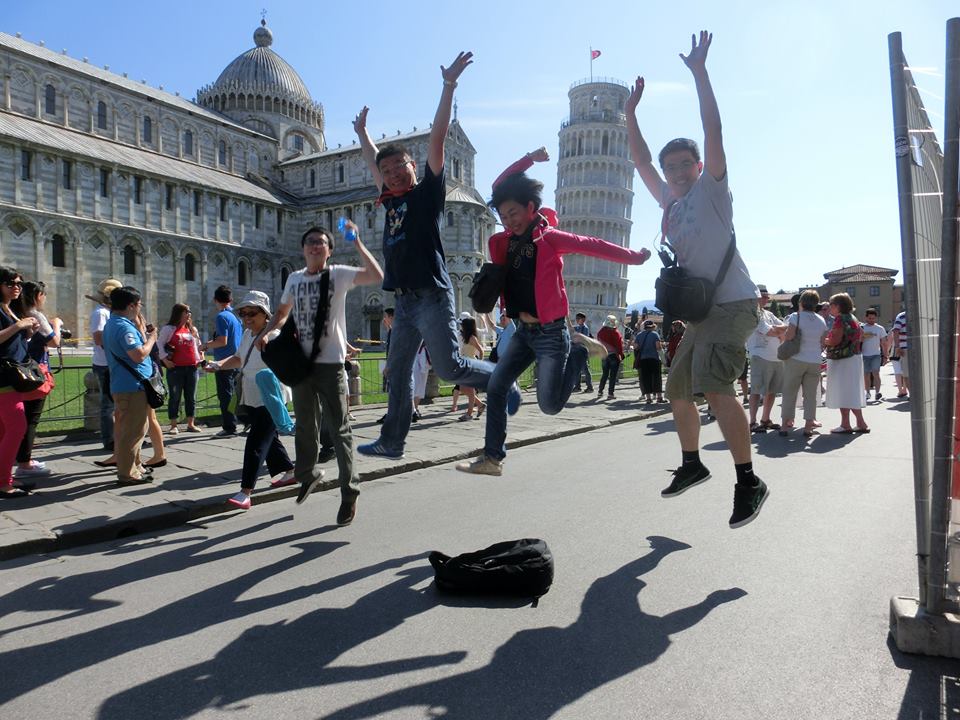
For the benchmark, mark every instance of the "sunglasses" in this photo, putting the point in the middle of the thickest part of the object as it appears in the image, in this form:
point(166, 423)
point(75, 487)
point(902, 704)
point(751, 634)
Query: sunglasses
point(248, 313)
point(14, 284)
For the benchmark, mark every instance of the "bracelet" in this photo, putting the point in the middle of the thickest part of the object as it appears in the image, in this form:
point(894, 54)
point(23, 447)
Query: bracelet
point(450, 83)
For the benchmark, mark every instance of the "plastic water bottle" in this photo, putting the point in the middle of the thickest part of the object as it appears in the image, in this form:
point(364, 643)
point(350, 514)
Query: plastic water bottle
point(348, 232)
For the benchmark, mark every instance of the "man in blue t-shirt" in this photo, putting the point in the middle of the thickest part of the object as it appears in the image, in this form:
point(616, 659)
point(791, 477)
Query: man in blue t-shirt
point(127, 343)
point(416, 271)
point(226, 340)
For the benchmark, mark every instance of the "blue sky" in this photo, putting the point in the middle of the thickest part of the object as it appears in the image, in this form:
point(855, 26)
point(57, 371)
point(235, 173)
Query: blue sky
point(803, 89)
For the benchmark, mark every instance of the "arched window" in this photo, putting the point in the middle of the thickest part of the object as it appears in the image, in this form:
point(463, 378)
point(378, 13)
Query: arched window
point(222, 153)
point(102, 115)
point(187, 142)
point(284, 274)
point(449, 219)
point(147, 129)
point(340, 173)
point(129, 260)
point(242, 272)
point(58, 247)
point(605, 147)
point(313, 178)
point(50, 100)
point(189, 267)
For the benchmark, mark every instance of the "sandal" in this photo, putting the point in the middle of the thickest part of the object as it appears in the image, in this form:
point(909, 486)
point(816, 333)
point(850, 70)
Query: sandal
point(16, 492)
point(842, 431)
point(769, 425)
point(754, 428)
point(483, 406)
point(861, 430)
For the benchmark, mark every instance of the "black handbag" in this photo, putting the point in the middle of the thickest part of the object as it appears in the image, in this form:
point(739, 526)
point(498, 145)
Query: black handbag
point(681, 296)
point(153, 386)
point(487, 286)
point(23, 376)
point(284, 354)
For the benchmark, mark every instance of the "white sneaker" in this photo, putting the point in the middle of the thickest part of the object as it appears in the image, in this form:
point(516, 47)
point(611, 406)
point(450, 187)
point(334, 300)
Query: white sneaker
point(174, 431)
point(593, 347)
point(483, 465)
point(38, 469)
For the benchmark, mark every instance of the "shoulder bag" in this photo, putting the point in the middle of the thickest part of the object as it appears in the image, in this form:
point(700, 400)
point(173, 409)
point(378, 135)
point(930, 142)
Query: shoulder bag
point(487, 286)
point(23, 376)
point(153, 386)
point(284, 354)
point(789, 348)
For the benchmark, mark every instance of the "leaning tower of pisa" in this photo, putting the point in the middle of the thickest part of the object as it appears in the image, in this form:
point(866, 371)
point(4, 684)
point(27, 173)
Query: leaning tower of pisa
point(595, 194)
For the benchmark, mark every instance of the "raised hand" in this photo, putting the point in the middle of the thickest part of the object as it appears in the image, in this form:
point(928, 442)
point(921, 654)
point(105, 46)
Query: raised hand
point(697, 59)
point(360, 121)
point(636, 92)
point(452, 73)
point(539, 155)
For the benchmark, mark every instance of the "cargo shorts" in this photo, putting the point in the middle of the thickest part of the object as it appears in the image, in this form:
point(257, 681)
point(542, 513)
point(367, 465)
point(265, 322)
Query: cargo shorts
point(711, 354)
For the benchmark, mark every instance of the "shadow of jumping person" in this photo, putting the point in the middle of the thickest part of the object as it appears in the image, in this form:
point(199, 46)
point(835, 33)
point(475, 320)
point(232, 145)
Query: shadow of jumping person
point(537, 672)
point(288, 656)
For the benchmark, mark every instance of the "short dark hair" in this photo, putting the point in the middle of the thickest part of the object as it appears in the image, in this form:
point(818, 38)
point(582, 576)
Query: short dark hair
point(519, 187)
point(581, 315)
point(388, 312)
point(810, 300)
point(843, 302)
point(317, 229)
point(871, 311)
point(223, 294)
point(678, 145)
point(8, 274)
point(391, 149)
point(124, 297)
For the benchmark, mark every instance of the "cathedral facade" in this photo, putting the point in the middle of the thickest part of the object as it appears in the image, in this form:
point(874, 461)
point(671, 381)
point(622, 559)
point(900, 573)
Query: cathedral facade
point(105, 176)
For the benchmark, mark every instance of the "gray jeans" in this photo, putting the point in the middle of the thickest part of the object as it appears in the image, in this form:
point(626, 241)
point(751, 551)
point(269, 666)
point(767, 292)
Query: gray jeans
point(319, 398)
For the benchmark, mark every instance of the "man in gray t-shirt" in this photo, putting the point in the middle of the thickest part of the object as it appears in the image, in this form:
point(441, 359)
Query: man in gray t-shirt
point(698, 220)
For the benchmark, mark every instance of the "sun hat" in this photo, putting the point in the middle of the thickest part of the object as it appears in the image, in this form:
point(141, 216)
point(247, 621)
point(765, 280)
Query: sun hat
point(611, 321)
point(466, 316)
point(254, 298)
point(102, 293)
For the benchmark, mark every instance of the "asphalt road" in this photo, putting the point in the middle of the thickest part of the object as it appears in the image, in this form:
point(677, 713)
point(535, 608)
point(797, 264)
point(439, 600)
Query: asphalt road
point(658, 609)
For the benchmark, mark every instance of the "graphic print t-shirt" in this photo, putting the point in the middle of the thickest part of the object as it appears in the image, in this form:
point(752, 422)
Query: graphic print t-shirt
point(872, 335)
point(412, 249)
point(303, 291)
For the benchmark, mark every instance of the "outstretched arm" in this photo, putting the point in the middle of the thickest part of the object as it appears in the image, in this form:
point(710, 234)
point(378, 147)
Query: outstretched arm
point(523, 164)
point(367, 147)
point(441, 121)
point(639, 152)
point(714, 159)
point(372, 273)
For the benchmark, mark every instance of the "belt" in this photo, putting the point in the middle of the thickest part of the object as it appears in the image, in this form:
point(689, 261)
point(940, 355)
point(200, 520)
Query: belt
point(408, 291)
point(538, 325)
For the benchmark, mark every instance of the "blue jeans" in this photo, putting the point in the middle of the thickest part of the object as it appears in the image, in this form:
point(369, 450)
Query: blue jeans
point(106, 404)
point(558, 369)
point(183, 381)
point(426, 315)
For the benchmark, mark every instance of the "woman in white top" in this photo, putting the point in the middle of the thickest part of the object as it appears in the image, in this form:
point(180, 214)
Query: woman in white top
point(470, 347)
point(263, 442)
point(803, 369)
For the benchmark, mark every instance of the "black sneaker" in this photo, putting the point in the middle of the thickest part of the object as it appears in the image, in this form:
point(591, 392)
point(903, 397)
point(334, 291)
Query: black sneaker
point(747, 502)
point(347, 511)
point(326, 455)
point(308, 487)
point(686, 477)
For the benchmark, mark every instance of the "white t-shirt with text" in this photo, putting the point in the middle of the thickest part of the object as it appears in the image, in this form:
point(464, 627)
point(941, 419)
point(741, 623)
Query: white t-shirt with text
point(872, 335)
point(303, 292)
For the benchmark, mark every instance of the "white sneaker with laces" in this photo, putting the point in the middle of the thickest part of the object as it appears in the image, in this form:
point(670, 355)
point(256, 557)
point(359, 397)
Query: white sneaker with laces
point(483, 465)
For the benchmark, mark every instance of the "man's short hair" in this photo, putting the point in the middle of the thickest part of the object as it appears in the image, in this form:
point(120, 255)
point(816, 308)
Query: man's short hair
point(871, 311)
point(317, 229)
point(810, 300)
point(677, 145)
point(519, 187)
point(390, 150)
point(124, 297)
point(581, 315)
point(388, 312)
point(223, 294)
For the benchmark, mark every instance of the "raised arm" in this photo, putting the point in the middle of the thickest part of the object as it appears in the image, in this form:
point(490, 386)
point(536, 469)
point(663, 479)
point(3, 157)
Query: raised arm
point(523, 164)
point(372, 273)
point(714, 159)
point(367, 147)
point(639, 152)
point(441, 121)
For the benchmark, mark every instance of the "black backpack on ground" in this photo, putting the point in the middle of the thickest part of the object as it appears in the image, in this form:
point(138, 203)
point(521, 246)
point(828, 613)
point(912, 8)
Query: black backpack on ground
point(517, 568)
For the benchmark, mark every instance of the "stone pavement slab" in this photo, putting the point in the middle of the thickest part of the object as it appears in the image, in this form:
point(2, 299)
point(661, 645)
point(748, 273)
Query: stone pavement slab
point(82, 504)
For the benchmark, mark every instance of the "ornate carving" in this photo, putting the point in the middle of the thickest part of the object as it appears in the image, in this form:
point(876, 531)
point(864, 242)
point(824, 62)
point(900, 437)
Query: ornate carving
point(96, 242)
point(18, 227)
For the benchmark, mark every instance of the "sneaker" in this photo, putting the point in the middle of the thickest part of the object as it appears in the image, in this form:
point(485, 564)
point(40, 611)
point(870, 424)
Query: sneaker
point(611, 397)
point(747, 502)
point(513, 399)
point(326, 455)
point(593, 347)
point(308, 487)
point(347, 512)
point(225, 433)
point(173, 431)
point(684, 478)
point(240, 500)
point(588, 390)
point(483, 465)
point(378, 449)
point(351, 418)
point(415, 417)
point(36, 469)
point(381, 419)
point(288, 478)
point(866, 397)
point(878, 397)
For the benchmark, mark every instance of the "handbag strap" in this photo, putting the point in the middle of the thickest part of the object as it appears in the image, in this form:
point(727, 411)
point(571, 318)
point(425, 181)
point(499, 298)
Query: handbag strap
point(669, 261)
point(129, 368)
point(317, 322)
point(250, 350)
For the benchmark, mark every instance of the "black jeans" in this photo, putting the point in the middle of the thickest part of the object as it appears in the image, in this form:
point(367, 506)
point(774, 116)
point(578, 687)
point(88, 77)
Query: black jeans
point(226, 386)
point(263, 443)
point(611, 367)
point(32, 409)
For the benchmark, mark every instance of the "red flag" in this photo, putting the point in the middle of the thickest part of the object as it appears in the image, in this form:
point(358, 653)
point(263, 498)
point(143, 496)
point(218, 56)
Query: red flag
point(594, 54)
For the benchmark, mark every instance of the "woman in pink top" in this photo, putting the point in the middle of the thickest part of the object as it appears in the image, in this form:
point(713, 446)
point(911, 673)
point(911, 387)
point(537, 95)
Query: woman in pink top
point(534, 295)
point(179, 344)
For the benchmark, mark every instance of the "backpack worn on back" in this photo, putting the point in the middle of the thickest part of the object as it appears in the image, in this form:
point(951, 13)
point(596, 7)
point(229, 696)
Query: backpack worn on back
point(517, 567)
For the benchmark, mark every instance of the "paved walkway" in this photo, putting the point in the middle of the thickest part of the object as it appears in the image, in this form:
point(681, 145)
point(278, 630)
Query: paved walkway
point(82, 504)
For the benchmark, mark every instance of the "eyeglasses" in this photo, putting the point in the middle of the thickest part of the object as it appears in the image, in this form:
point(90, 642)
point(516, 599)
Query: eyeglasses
point(394, 168)
point(248, 313)
point(316, 241)
point(673, 167)
point(14, 284)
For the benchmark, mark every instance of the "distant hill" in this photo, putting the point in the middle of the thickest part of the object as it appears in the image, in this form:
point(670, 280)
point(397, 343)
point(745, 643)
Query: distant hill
point(650, 305)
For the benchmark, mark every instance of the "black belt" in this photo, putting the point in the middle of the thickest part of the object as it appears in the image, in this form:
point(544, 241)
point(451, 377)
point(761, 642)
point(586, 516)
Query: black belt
point(538, 325)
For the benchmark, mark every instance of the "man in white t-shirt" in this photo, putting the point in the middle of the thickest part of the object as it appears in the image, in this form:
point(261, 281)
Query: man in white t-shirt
point(875, 344)
point(321, 289)
point(98, 321)
point(766, 369)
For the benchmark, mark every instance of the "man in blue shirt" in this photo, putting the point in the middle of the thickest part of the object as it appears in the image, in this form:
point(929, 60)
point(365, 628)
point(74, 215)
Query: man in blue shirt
point(127, 343)
point(226, 340)
point(583, 329)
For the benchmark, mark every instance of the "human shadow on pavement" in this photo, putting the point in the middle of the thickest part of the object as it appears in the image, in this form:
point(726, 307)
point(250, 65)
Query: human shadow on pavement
point(539, 671)
point(315, 641)
point(47, 662)
point(933, 690)
point(659, 427)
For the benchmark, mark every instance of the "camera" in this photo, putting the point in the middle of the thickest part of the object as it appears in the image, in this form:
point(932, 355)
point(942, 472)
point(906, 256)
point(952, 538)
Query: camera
point(65, 334)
